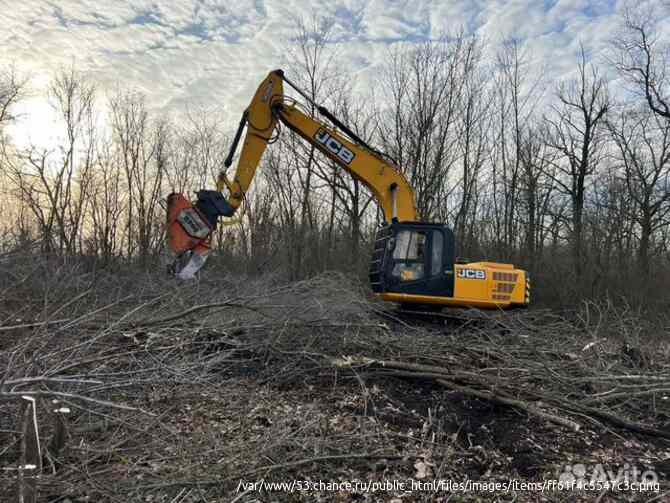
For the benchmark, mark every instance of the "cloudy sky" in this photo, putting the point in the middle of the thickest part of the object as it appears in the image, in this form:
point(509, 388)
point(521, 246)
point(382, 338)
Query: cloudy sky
point(214, 52)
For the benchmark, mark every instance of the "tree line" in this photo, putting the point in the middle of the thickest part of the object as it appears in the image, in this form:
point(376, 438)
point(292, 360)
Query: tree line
point(569, 180)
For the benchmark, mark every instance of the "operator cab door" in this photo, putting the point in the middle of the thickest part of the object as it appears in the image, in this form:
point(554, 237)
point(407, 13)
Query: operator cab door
point(420, 260)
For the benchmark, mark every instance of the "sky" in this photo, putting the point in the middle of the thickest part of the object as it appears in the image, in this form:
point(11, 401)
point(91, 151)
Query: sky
point(212, 54)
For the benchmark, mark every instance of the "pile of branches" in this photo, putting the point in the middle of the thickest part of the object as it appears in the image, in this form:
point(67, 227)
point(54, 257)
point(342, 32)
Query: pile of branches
point(547, 369)
point(86, 354)
point(89, 360)
point(596, 368)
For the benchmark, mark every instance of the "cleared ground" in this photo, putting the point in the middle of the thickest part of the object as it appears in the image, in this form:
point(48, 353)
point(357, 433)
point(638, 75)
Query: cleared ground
point(185, 393)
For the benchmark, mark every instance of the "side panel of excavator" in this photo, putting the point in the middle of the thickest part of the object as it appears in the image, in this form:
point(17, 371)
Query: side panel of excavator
point(497, 286)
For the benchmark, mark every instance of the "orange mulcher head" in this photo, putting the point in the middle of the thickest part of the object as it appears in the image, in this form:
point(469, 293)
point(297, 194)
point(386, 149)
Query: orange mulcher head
point(188, 236)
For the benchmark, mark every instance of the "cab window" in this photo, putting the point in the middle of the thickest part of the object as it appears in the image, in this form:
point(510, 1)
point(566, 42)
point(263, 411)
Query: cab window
point(409, 255)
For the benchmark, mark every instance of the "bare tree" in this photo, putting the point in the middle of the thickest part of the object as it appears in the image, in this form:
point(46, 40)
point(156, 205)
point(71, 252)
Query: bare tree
point(107, 204)
point(642, 57)
point(537, 189)
point(287, 195)
point(643, 143)
point(611, 229)
point(575, 132)
point(422, 88)
point(196, 153)
point(142, 145)
point(472, 144)
point(258, 231)
point(12, 89)
point(347, 196)
point(313, 61)
point(56, 185)
point(514, 177)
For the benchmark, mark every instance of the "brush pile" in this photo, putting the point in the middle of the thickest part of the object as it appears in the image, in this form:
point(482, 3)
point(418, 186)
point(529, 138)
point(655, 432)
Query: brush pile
point(137, 388)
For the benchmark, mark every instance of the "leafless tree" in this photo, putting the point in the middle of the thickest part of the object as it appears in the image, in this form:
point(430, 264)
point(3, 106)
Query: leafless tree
point(107, 204)
point(537, 190)
point(12, 89)
point(641, 56)
point(422, 89)
point(347, 196)
point(515, 175)
point(312, 62)
point(287, 195)
point(576, 133)
point(611, 230)
point(56, 185)
point(643, 144)
point(259, 235)
point(142, 145)
point(473, 129)
point(196, 151)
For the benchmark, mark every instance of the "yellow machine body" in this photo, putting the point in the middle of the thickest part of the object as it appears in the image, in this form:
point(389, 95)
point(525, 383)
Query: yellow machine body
point(484, 285)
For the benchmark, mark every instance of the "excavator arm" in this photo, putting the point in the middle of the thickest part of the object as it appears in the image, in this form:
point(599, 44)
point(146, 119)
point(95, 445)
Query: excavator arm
point(190, 226)
point(269, 107)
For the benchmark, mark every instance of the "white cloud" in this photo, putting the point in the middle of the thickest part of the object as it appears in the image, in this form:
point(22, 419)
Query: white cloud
point(213, 52)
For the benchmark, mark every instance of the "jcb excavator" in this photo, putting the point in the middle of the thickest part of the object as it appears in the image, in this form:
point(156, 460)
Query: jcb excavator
point(413, 262)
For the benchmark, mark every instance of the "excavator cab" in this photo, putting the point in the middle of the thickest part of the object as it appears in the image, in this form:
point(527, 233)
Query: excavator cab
point(413, 259)
point(414, 264)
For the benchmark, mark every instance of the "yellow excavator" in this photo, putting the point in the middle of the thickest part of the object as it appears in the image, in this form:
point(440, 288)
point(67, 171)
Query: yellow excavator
point(413, 262)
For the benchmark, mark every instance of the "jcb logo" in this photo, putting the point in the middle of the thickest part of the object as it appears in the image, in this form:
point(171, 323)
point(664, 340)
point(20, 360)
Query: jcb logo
point(471, 274)
point(334, 146)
